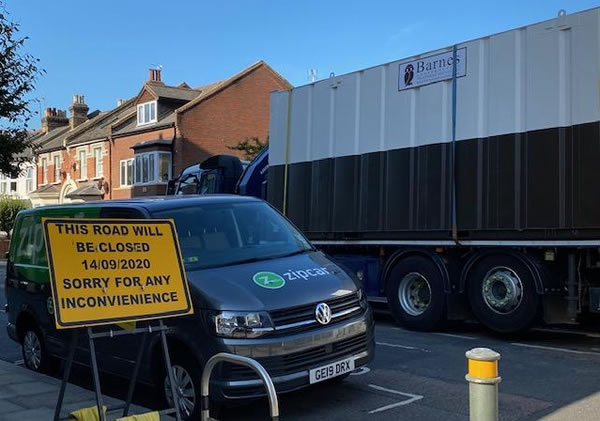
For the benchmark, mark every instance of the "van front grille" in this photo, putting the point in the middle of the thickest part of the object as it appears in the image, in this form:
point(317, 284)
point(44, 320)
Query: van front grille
point(303, 317)
point(300, 361)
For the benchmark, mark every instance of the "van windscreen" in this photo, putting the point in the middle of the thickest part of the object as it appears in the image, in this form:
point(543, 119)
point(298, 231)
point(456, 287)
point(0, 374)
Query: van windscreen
point(230, 233)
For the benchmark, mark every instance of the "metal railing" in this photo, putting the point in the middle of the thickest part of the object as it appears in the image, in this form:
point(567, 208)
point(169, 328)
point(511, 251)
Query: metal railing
point(247, 362)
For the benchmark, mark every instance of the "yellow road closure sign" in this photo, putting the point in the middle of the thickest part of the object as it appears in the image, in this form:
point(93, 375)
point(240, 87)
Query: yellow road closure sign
point(111, 271)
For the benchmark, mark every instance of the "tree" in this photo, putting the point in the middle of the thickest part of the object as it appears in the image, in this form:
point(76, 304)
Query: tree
point(9, 207)
point(18, 73)
point(251, 146)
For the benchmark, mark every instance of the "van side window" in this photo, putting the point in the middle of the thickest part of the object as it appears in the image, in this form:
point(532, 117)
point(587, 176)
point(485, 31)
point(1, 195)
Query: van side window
point(24, 247)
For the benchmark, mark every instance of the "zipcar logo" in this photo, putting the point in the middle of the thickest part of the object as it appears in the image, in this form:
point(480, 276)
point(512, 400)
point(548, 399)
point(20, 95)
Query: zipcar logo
point(268, 280)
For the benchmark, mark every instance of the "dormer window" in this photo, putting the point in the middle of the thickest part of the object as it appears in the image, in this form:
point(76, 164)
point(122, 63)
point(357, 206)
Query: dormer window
point(146, 113)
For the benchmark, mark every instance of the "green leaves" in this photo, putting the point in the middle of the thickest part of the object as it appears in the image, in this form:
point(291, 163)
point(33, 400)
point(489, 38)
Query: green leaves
point(18, 73)
point(9, 208)
point(251, 146)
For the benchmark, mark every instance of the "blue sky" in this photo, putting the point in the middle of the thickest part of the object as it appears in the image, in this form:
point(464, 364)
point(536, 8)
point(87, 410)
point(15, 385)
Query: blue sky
point(103, 49)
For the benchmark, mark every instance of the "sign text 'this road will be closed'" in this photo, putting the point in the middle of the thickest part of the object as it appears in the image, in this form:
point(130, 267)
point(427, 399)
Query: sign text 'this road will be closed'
point(110, 271)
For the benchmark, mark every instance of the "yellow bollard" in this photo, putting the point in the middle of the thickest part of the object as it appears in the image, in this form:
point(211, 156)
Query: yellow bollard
point(482, 375)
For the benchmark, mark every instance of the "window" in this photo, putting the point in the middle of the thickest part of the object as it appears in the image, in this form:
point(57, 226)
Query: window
point(152, 167)
point(146, 113)
point(56, 168)
point(82, 156)
point(126, 172)
point(29, 181)
point(13, 186)
point(3, 184)
point(98, 159)
point(188, 186)
point(44, 170)
point(226, 233)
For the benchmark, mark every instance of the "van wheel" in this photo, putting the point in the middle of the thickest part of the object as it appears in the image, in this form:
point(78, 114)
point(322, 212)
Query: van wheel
point(502, 294)
point(187, 374)
point(34, 352)
point(416, 294)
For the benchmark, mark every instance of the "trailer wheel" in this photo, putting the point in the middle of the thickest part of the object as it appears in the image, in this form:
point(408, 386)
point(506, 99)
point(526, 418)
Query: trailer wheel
point(416, 293)
point(502, 294)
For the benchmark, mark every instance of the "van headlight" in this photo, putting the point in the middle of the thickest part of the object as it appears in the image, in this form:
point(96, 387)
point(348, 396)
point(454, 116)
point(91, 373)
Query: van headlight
point(233, 324)
point(362, 297)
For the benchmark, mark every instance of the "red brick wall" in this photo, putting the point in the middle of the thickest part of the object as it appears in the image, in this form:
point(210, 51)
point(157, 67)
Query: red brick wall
point(239, 111)
point(122, 150)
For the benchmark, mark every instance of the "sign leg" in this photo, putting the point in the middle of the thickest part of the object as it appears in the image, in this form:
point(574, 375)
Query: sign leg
point(136, 370)
point(66, 373)
point(163, 337)
point(96, 376)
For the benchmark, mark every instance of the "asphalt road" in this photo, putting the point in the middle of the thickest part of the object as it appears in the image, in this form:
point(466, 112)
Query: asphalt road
point(420, 376)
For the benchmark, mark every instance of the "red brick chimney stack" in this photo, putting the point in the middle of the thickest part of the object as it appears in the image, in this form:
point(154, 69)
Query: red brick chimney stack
point(78, 110)
point(53, 119)
point(154, 75)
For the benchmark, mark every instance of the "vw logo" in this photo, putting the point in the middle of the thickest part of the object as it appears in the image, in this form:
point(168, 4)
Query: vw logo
point(323, 313)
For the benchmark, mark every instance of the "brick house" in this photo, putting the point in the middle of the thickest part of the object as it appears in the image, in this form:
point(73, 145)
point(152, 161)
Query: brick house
point(173, 127)
point(135, 148)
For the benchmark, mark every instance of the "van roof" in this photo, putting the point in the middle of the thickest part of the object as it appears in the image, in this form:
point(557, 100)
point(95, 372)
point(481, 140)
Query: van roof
point(150, 203)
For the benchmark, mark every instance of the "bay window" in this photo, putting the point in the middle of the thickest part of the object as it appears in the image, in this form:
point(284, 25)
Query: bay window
point(152, 167)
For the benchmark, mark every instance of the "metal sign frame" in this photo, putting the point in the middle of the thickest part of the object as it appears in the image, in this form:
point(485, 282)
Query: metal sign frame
point(132, 382)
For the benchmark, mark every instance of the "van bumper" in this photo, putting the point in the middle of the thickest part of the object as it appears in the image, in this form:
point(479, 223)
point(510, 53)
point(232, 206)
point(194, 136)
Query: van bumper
point(288, 359)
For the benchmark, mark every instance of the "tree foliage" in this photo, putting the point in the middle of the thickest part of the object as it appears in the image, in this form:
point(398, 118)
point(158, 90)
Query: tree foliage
point(18, 73)
point(251, 146)
point(9, 207)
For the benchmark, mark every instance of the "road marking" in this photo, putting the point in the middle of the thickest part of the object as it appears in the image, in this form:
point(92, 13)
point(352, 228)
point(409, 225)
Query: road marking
point(567, 331)
point(411, 398)
point(412, 348)
point(551, 348)
point(452, 335)
point(360, 371)
point(20, 363)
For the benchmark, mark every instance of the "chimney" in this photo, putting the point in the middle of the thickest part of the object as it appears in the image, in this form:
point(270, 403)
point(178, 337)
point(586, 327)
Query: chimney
point(154, 75)
point(78, 110)
point(53, 119)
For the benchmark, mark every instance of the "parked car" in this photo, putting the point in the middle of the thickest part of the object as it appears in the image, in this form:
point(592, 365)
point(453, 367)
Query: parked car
point(258, 288)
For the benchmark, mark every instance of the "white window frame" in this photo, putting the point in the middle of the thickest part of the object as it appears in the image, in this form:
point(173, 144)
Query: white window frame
point(83, 169)
point(29, 184)
point(123, 166)
point(45, 170)
point(141, 121)
point(152, 160)
point(56, 168)
point(98, 163)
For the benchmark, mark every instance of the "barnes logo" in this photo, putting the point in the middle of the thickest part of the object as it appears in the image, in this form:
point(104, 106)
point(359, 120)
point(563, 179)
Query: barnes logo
point(435, 68)
point(268, 280)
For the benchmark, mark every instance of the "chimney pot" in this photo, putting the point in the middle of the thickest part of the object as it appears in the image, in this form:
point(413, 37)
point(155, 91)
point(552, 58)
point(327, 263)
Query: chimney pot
point(154, 75)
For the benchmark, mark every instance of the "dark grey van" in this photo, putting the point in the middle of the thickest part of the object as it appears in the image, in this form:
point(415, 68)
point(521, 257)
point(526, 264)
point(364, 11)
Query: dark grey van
point(259, 289)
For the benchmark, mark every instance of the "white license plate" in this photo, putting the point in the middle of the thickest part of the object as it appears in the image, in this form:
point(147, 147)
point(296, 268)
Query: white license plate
point(331, 370)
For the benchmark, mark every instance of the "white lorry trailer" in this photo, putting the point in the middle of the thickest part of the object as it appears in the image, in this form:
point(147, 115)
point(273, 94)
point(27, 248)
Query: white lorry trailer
point(459, 181)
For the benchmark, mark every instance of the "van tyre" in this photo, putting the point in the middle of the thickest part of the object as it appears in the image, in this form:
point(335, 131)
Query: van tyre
point(187, 374)
point(33, 348)
point(502, 294)
point(415, 291)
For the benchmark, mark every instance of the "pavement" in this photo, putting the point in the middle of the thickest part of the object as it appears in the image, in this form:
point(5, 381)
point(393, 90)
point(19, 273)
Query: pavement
point(26, 395)
point(548, 374)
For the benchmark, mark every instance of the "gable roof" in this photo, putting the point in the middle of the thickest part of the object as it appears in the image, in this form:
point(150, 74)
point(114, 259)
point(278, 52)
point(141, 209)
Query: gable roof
point(219, 86)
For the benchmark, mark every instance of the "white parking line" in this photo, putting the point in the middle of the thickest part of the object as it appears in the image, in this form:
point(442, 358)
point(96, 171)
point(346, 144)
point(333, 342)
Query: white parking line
point(20, 363)
point(411, 398)
point(360, 371)
point(452, 335)
point(567, 331)
point(412, 348)
point(551, 348)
